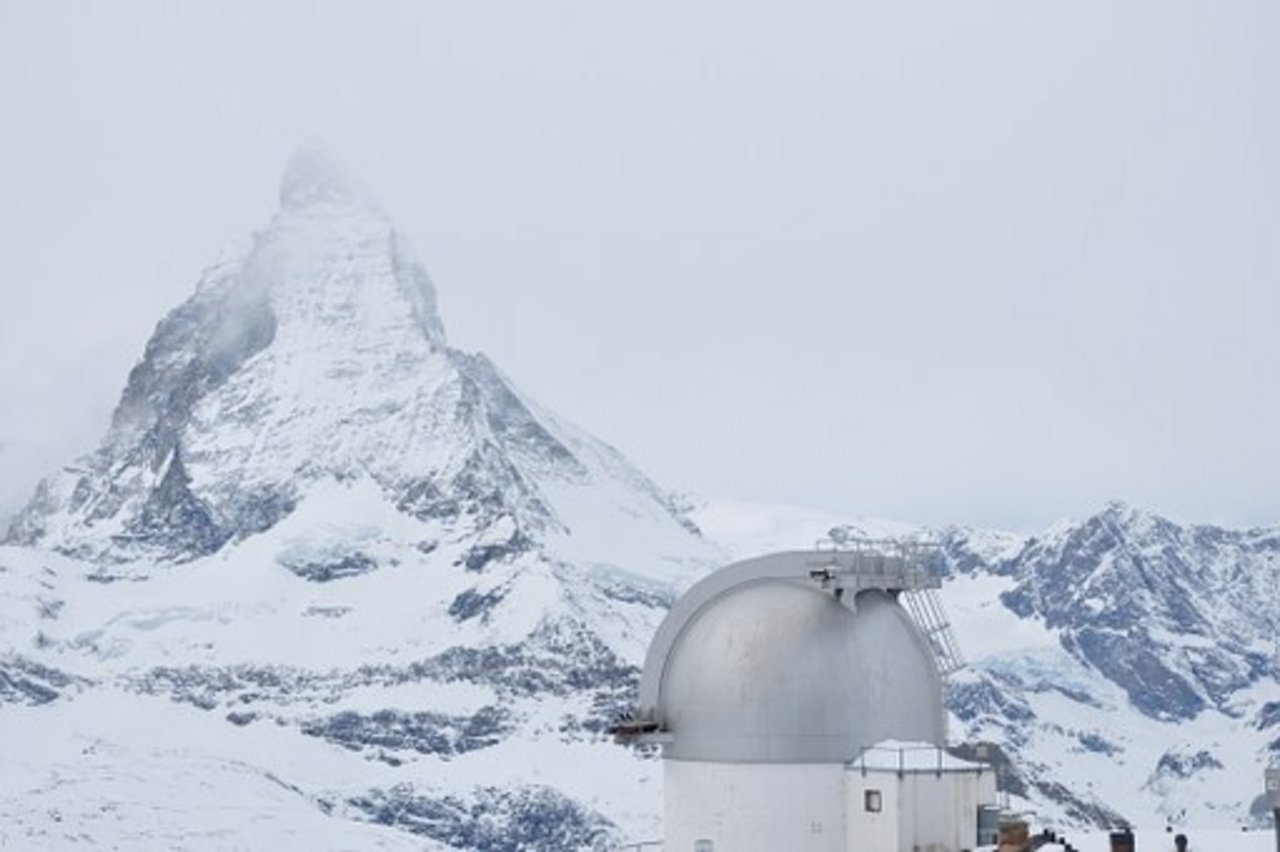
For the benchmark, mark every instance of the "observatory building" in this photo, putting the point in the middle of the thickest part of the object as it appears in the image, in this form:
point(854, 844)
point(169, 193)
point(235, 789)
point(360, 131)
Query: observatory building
point(797, 698)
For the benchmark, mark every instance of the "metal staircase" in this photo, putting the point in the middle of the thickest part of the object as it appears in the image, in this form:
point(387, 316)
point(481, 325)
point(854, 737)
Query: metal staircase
point(901, 564)
point(926, 610)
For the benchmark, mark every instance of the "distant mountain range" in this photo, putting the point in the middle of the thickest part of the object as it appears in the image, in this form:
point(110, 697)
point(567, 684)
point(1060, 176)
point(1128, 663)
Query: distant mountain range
point(329, 582)
point(1128, 666)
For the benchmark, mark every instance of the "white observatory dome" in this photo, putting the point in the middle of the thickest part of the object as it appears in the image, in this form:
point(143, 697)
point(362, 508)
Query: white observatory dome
point(770, 681)
point(759, 665)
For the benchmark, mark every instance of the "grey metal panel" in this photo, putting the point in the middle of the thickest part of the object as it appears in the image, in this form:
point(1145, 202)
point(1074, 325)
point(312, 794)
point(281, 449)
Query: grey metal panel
point(758, 663)
point(851, 571)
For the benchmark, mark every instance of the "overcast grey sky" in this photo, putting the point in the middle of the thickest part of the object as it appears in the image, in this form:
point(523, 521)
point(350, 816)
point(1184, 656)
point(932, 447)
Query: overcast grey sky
point(991, 263)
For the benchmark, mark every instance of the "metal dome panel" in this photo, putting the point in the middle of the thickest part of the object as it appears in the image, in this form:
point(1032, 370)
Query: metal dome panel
point(774, 661)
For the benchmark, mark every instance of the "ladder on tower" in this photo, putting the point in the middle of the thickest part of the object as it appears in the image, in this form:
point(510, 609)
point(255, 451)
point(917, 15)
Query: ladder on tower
point(926, 610)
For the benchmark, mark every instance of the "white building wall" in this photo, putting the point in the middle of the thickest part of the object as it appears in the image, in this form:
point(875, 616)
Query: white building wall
point(753, 807)
point(943, 816)
point(922, 811)
point(869, 831)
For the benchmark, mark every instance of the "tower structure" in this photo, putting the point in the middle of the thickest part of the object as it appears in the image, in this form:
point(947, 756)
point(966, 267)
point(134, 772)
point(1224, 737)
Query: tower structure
point(772, 678)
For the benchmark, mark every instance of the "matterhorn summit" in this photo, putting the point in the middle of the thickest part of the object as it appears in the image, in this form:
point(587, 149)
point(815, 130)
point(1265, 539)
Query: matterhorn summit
point(317, 358)
point(312, 175)
point(338, 563)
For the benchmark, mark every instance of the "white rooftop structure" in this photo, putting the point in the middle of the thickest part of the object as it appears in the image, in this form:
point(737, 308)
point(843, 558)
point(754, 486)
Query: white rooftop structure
point(770, 685)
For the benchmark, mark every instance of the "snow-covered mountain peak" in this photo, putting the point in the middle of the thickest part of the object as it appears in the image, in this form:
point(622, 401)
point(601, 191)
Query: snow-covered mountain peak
point(319, 355)
point(341, 277)
point(312, 176)
point(1168, 612)
point(1134, 520)
point(310, 510)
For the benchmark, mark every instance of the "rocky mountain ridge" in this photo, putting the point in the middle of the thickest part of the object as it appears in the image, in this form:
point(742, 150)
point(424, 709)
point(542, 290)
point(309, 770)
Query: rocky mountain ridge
point(1123, 647)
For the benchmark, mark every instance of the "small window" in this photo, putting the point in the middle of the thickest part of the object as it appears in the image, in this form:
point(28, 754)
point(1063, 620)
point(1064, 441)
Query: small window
point(872, 801)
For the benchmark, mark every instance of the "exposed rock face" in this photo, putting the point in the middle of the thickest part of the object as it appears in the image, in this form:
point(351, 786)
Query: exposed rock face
point(24, 681)
point(1122, 662)
point(1169, 613)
